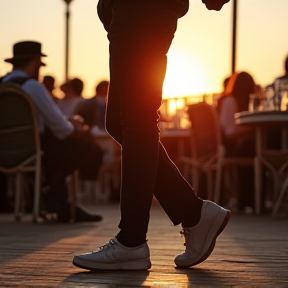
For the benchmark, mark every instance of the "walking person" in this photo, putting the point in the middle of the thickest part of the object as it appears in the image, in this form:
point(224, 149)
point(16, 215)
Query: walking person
point(140, 33)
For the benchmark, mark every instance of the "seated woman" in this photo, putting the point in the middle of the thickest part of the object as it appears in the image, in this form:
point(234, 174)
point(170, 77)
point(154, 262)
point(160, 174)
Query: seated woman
point(239, 140)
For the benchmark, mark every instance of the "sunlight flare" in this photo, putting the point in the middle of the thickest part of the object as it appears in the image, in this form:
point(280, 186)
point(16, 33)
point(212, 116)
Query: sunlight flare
point(184, 76)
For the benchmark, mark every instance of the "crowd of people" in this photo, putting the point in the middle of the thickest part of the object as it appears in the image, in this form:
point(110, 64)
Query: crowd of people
point(240, 140)
point(63, 133)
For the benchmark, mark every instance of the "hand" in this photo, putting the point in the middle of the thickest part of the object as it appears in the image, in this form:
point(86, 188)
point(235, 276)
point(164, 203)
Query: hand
point(215, 4)
point(81, 132)
point(77, 122)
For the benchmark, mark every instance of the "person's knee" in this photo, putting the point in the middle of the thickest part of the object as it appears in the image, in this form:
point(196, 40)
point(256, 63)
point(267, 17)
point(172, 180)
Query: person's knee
point(114, 130)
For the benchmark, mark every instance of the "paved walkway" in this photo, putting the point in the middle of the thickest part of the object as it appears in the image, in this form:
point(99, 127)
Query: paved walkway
point(251, 252)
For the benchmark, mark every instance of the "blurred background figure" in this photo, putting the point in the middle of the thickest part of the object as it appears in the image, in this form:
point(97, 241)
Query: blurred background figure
point(49, 83)
point(280, 87)
point(93, 110)
point(239, 140)
point(285, 76)
point(236, 99)
point(277, 89)
point(222, 94)
point(72, 96)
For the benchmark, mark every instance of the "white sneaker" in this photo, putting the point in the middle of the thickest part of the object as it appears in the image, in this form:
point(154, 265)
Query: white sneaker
point(115, 256)
point(200, 239)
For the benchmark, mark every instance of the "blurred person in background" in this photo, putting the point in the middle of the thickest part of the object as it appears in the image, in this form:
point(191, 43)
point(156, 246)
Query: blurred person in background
point(285, 76)
point(239, 140)
point(72, 90)
point(49, 83)
point(235, 99)
point(222, 94)
point(279, 85)
point(93, 110)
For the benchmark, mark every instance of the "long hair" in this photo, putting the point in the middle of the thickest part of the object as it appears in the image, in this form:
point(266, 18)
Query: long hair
point(240, 86)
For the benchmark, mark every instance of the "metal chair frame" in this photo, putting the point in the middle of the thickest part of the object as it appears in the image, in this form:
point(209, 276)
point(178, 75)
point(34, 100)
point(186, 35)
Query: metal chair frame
point(13, 136)
point(207, 150)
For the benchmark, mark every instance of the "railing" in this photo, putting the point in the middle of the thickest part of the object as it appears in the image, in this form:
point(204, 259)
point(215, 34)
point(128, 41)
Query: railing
point(173, 110)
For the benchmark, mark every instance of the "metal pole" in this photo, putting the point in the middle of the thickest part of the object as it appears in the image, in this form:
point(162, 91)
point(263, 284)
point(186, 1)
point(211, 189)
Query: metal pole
point(67, 41)
point(234, 36)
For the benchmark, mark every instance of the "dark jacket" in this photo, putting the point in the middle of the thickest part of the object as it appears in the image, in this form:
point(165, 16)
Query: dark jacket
point(104, 8)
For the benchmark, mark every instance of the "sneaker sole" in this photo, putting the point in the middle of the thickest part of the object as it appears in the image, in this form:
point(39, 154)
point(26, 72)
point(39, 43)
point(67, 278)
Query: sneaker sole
point(144, 264)
point(212, 245)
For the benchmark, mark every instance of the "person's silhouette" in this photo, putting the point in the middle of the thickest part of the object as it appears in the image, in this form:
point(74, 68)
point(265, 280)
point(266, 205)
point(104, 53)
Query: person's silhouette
point(140, 33)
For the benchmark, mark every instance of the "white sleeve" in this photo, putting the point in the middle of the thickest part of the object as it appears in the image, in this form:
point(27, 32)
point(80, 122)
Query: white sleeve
point(227, 120)
point(47, 109)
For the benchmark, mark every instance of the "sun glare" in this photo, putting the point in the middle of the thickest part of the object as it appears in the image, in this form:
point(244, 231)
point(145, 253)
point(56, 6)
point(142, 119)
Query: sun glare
point(183, 77)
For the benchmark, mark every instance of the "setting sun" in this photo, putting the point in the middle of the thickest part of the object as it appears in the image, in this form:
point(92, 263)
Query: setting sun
point(184, 76)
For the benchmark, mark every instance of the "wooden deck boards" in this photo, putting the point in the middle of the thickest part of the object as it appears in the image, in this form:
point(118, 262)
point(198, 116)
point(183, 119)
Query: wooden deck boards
point(251, 252)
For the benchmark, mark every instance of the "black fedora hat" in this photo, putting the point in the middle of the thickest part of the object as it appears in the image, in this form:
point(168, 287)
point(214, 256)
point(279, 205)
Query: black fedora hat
point(26, 50)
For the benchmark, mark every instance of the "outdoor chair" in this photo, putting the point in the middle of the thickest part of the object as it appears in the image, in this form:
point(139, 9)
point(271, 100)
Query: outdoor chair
point(208, 153)
point(20, 147)
point(20, 150)
point(277, 163)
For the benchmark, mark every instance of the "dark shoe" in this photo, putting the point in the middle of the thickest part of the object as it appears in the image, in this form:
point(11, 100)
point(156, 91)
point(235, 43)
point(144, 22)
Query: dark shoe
point(83, 215)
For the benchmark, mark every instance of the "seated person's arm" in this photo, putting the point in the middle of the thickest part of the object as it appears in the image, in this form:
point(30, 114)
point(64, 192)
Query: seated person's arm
point(49, 111)
point(80, 128)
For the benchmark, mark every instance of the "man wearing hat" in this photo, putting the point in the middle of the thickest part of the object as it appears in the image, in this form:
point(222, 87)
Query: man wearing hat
point(66, 145)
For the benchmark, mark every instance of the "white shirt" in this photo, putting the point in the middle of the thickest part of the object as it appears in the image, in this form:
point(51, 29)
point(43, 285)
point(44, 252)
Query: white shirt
point(47, 110)
point(67, 106)
point(227, 120)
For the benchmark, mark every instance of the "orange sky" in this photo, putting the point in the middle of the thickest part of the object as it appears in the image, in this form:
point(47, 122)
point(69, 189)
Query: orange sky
point(199, 58)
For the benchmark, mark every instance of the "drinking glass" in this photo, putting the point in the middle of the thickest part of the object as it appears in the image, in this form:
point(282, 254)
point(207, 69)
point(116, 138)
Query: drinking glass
point(281, 88)
point(255, 103)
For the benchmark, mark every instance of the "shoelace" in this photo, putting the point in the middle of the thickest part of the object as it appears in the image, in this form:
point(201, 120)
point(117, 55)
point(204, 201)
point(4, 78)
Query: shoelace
point(186, 233)
point(109, 244)
point(189, 248)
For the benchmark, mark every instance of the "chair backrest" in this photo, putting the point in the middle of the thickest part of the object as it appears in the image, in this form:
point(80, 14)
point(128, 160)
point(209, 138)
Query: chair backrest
point(206, 132)
point(19, 133)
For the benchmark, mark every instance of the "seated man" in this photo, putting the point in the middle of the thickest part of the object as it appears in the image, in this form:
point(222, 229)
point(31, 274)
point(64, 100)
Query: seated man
point(67, 145)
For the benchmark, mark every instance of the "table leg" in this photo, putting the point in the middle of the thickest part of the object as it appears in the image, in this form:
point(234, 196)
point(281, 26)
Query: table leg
point(258, 184)
point(258, 172)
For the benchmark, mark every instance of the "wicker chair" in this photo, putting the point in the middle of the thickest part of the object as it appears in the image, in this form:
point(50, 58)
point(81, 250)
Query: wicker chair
point(208, 153)
point(20, 150)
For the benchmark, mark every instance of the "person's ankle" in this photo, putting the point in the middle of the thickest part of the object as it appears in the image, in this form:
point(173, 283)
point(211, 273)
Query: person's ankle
point(193, 219)
point(129, 242)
